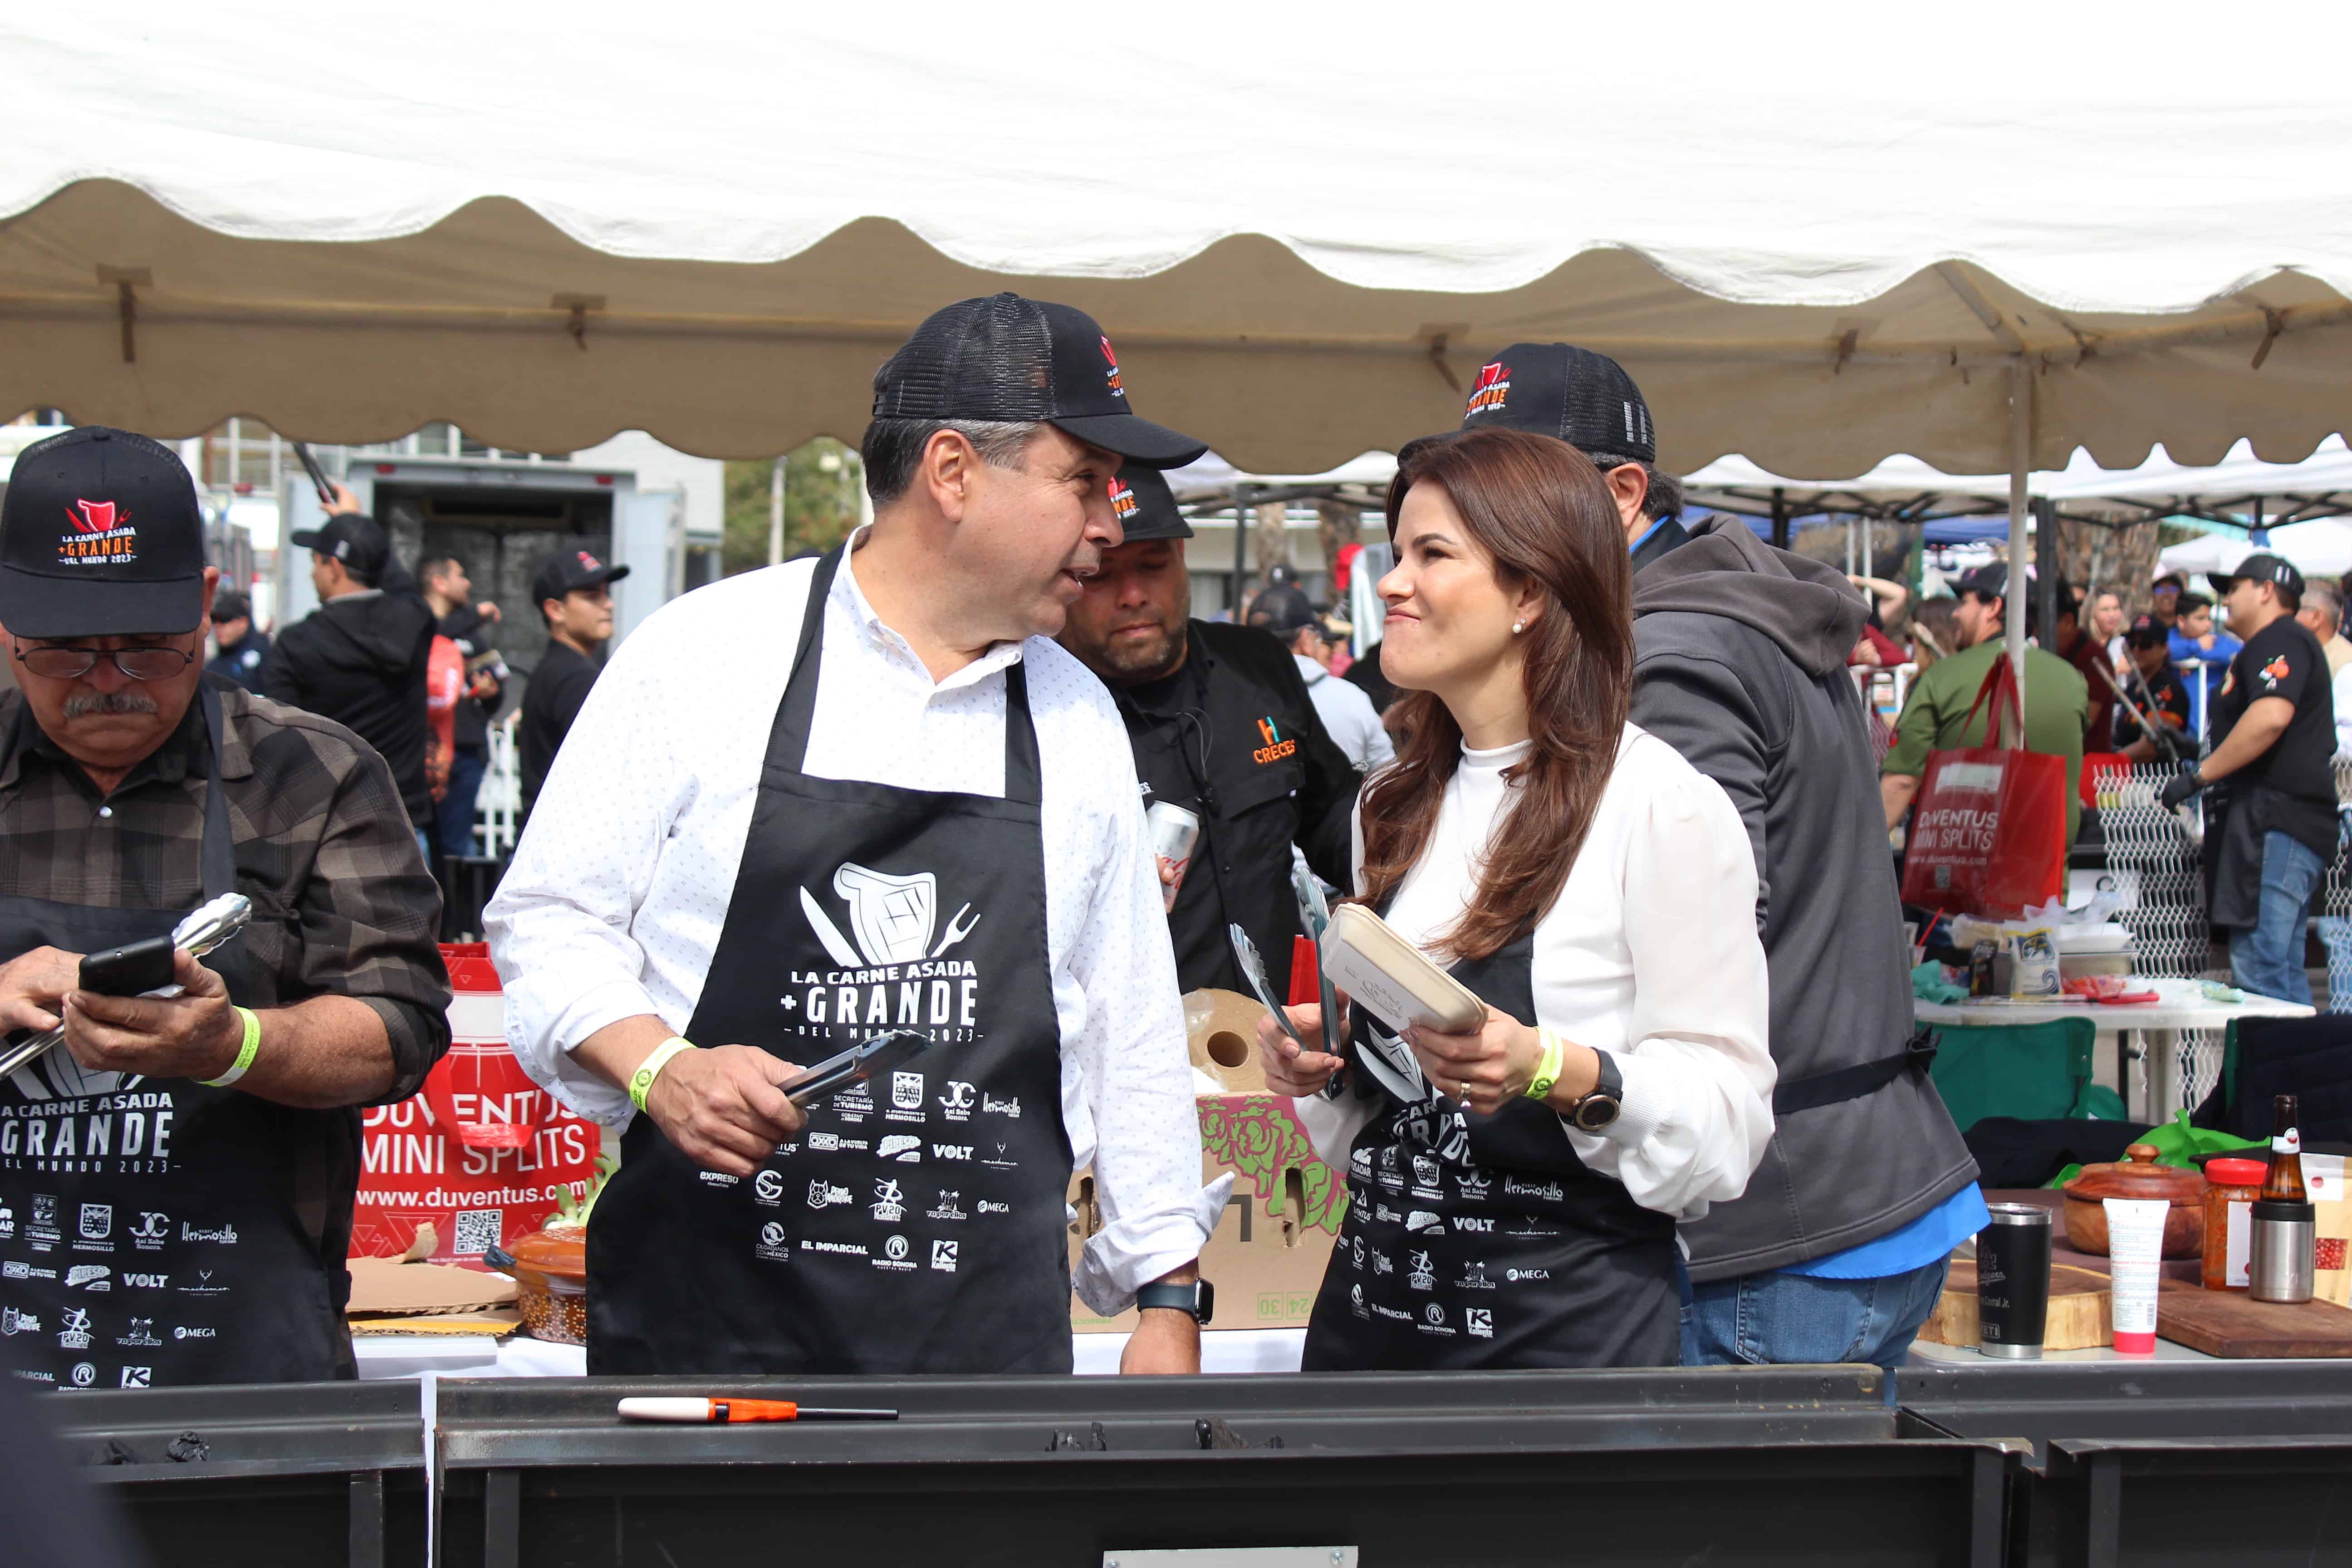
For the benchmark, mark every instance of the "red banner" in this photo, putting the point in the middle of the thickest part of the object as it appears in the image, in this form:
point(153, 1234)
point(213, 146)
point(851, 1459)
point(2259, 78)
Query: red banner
point(483, 1152)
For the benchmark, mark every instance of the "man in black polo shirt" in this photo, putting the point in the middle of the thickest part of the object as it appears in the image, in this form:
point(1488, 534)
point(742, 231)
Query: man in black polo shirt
point(573, 590)
point(2275, 716)
point(1222, 725)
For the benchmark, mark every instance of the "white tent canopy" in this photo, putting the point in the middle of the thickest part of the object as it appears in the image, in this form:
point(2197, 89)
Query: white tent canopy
point(2323, 481)
point(548, 222)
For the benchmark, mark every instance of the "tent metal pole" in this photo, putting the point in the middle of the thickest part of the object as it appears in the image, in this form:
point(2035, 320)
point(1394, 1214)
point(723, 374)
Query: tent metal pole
point(2020, 459)
point(1245, 497)
point(1779, 517)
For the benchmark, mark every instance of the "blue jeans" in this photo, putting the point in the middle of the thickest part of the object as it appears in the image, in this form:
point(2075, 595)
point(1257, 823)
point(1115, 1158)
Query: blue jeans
point(1768, 1319)
point(454, 817)
point(2266, 957)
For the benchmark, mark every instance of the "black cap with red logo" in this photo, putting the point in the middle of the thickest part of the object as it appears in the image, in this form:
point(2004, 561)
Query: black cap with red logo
point(1584, 398)
point(1003, 357)
point(1146, 507)
point(571, 568)
point(100, 536)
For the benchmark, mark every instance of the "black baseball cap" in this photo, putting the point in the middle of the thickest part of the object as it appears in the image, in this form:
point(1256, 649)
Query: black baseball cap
point(1003, 357)
point(1284, 611)
point(2263, 568)
point(229, 604)
point(2173, 579)
point(2146, 631)
point(1558, 389)
point(1985, 582)
point(572, 567)
point(352, 538)
point(1146, 507)
point(100, 536)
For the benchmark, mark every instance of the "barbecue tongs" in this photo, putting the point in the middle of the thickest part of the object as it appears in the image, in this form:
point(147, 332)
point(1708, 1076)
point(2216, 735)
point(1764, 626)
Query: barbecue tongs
point(198, 934)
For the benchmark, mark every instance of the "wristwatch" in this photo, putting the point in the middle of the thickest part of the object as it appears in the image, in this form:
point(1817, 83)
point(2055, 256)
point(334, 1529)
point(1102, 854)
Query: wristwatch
point(1600, 1108)
point(1199, 1298)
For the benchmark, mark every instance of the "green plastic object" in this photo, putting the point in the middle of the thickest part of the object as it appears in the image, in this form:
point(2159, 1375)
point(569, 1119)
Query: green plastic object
point(2035, 1071)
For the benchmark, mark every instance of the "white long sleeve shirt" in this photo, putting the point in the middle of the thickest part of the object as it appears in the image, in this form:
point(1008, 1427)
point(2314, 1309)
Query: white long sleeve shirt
point(1650, 953)
point(621, 884)
point(1348, 715)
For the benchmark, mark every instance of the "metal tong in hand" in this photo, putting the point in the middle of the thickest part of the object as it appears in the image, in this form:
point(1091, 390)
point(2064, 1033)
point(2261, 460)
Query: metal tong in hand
point(198, 935)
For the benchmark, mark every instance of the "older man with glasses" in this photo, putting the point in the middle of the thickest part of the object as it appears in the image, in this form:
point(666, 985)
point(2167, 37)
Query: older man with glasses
point(195, 1156)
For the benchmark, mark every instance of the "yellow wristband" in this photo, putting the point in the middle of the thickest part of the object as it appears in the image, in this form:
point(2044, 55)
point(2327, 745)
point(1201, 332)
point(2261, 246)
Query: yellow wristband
point(641, 1082)
point(1555, 1050)
point(245, 1053)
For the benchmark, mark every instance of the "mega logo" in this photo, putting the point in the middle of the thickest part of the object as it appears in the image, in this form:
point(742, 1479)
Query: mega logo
point(101, 536)
point(1110, 358)
point(1490, 391)
point(1278, 745)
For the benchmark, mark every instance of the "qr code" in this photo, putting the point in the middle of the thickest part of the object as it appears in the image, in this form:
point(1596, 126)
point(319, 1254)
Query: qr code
point(479, 1230)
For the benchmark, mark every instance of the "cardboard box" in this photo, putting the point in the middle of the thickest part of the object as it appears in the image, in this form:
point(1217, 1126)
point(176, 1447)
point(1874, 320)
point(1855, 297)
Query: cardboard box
point(2323, 1178)
point(1271, 1246)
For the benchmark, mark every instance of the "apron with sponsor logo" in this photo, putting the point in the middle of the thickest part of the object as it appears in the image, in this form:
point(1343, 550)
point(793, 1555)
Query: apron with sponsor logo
point(1483, 1241)
point(151, 1231)
point(918, 1224)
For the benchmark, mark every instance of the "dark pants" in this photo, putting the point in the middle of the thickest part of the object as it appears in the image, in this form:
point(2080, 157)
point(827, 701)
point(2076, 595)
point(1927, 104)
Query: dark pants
point(452, 818)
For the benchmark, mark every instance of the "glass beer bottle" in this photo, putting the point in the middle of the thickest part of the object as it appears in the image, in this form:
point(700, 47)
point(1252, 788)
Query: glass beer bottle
point(2283, 1182)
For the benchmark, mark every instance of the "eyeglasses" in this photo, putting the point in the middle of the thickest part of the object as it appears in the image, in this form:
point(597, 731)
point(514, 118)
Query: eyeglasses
point(54, 662)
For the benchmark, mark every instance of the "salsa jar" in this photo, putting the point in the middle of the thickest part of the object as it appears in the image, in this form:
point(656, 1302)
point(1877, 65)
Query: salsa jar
point(2232, 1186)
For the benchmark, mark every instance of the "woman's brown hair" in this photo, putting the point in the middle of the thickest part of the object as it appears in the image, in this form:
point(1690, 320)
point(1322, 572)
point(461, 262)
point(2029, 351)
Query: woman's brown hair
point(1543, 513)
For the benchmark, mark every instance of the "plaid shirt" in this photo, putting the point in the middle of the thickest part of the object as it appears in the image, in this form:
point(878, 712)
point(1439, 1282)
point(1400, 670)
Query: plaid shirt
point(341, 901)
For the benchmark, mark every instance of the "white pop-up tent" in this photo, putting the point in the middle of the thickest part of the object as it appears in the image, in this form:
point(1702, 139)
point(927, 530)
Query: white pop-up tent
point(545, 222)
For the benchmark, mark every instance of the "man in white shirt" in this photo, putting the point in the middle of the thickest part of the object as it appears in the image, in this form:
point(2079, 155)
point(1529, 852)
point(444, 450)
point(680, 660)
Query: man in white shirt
point(924, 820)
point(1347, 712)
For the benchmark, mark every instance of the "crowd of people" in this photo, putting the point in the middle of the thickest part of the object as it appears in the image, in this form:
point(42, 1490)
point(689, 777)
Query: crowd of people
point(1611, 766)
point(2252, 709)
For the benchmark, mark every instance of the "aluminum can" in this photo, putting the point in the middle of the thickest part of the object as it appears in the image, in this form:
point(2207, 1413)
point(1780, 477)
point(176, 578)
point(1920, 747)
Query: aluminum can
point(1174, 831)
point(2013, 1281)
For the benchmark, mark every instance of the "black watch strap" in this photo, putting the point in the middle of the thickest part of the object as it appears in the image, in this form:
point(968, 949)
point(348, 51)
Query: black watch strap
point(1198, 1298)
point(1600, 1108)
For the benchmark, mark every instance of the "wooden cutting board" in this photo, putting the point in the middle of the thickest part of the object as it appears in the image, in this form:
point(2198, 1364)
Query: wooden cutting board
point(2233, 1324)
point(2079, 1315)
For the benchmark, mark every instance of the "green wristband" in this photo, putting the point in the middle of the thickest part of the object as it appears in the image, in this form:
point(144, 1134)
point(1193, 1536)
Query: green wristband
point(245, 1053)
point(641, 1082)
point(1555, 1054)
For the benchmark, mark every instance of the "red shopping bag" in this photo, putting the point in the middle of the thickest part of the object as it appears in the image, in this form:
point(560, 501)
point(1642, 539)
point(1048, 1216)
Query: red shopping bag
point(1989, 827)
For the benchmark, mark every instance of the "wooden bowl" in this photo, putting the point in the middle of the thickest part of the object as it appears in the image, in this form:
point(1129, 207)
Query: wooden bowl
point(2136, 1175)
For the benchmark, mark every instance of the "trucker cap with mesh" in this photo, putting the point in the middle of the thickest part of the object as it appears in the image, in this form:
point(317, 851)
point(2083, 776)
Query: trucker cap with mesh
point(1003, 357)
point(1584, 398)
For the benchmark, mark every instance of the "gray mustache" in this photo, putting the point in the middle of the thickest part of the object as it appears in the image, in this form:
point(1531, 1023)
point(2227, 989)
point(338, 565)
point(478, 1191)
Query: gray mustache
point(82, 704)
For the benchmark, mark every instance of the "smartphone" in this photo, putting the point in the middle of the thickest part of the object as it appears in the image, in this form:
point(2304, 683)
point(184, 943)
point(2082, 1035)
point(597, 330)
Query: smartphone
point(858, 1063)
point(132, 970)
point(319, 481)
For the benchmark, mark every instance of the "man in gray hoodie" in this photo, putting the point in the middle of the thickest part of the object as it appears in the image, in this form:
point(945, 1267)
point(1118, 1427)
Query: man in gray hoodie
point(1837, 1251)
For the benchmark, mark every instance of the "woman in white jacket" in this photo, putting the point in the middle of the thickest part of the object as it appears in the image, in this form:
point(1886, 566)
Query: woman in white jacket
point(1516, 1206)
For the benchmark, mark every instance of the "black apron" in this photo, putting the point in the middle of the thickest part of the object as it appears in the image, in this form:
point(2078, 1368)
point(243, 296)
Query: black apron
point(1482, 1241)
point(152, 1229)
point(918, 1224)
